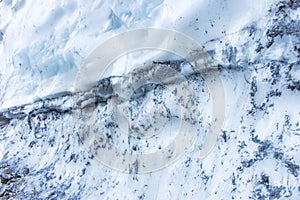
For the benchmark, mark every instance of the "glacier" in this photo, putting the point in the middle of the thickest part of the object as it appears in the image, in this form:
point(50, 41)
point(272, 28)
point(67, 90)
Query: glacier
point(255, 46)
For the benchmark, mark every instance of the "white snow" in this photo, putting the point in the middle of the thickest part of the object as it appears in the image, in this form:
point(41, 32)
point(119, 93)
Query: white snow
point(43, 44)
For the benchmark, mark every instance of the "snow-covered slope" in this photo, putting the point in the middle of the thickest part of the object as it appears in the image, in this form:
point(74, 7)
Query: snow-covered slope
point(256, 49)
point(44, 44)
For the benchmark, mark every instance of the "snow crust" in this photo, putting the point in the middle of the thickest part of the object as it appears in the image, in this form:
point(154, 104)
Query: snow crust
point(256, 44)
point(43, 44)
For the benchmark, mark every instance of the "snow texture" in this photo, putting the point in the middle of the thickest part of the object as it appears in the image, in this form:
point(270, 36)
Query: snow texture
point(256, 45)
